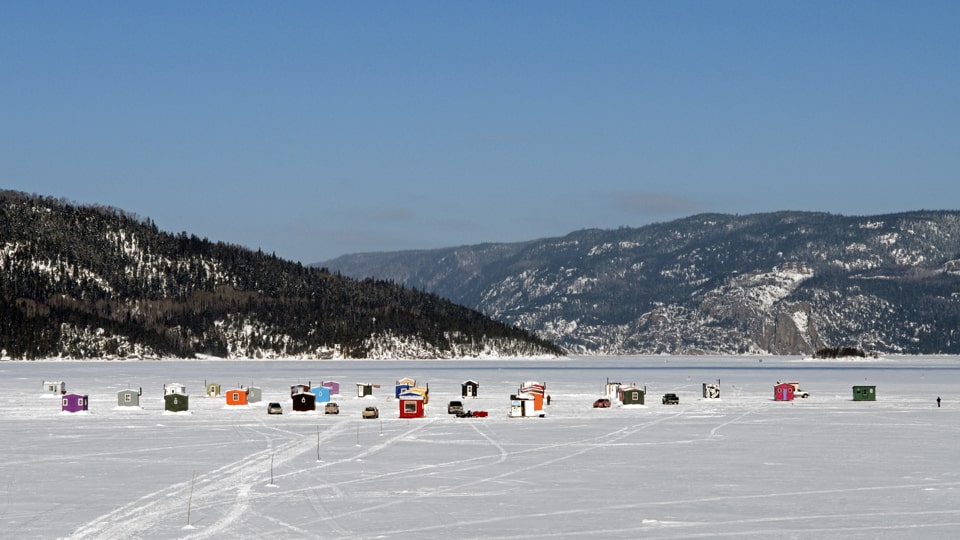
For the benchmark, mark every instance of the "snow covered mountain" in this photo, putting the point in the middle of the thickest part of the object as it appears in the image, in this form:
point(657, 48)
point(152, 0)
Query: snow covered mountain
point(781, 283)
point(93, 282)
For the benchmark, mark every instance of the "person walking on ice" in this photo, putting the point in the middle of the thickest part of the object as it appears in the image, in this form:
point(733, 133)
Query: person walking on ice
point(938, 402)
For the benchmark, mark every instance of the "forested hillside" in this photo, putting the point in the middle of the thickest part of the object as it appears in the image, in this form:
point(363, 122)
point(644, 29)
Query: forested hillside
point(86, 282)
point(783, 283)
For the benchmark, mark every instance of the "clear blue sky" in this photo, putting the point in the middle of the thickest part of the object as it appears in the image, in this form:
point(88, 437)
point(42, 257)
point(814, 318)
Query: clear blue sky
point(314, 129)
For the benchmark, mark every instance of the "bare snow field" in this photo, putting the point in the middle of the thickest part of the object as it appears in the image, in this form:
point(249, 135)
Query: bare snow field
point(743, 466)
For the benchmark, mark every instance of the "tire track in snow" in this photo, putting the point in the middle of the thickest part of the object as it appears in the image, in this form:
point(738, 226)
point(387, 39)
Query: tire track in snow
point(288, 452)
point(632, 507)
point(115, 453)
point(244, 497)
point(366, 452)
point(238, 481)
point(718, 427)
point(586, 445)
point(503, 456)
point(312, 496)
point(673, 529)
point(145, 514)
point(312, 491)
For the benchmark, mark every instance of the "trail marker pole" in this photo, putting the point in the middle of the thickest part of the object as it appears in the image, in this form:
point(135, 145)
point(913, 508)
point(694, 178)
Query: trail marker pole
point(190, 498)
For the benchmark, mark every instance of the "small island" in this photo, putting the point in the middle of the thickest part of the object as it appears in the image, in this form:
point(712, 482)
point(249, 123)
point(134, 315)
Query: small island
point(839, 352)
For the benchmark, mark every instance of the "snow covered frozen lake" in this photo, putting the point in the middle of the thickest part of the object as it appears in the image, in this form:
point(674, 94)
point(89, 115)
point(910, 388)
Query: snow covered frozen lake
point(742, 466)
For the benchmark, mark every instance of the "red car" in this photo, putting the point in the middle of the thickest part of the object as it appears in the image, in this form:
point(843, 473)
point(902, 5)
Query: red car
point(602, 403)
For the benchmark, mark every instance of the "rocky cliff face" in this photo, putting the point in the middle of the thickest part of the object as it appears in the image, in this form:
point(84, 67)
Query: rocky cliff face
point(781, 283)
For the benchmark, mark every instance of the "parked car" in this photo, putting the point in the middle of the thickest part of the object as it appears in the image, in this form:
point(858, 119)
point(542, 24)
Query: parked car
point(455, 407)
point(274, 408)
point(602, 403)
point(370, 412)
point(671, 399)
point(331, 408)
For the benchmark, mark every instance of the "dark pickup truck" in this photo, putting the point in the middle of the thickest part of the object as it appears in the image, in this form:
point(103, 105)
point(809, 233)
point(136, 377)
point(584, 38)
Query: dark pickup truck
point(671, 399)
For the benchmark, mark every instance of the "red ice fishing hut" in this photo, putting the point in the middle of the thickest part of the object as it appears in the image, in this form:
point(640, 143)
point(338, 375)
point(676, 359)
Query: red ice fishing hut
point(783, 392)
point(411, 405)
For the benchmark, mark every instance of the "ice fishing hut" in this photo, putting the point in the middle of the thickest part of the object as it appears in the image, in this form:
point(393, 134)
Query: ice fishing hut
point(237, 396)
point(364, 390)
point(522, 406)
point(254, 394)
point(175, 398)
point(711, 390)
point(783, 392)
point(322, 393)
point(469, 388)
point(864, 393)
point(632, 395)
point(536, 390)
point(129, 398)
point(422, 391)
point(54, 388)
point(611, 388)
point(403, 385)
point(74, 403)
point(411, 405)
point(334, 387)
point(303, 402)
point(213, 389)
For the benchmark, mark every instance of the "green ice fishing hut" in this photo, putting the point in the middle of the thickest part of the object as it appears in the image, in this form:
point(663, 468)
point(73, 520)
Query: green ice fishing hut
point(864, 393)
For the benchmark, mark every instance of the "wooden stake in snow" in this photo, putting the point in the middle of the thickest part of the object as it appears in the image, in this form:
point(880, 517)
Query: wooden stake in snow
point(271, 469)
point(318, 444)
point(190, 498)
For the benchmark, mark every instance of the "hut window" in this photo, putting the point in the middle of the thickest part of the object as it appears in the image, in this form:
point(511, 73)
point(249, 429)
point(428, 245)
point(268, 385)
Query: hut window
point(64, 402)
point(409, 407)
point(127, 397)
point(236, 396)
